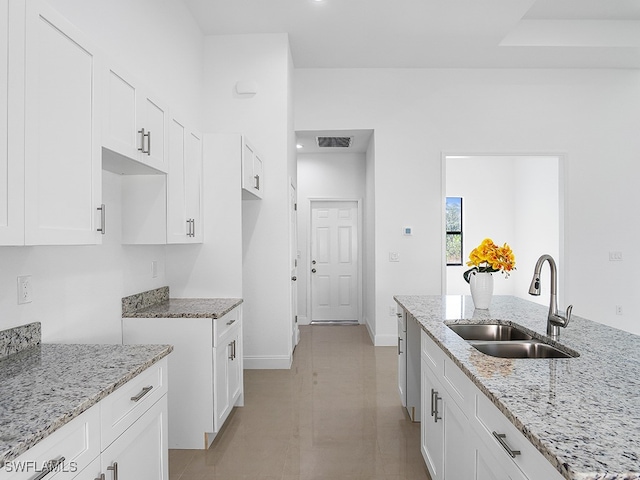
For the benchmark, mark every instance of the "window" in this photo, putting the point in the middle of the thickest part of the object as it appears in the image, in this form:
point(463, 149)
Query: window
point(454, 230)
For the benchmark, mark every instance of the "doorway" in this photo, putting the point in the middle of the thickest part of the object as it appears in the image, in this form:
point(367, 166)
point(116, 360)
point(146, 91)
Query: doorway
point(335, 265)
point(514, 199)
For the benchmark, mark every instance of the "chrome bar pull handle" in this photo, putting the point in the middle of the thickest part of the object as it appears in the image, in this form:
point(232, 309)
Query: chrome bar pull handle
point(193, 227)
point(435, 408)
point(399, 348)
point(501, 440)
point(114, 469)
point(142, 135)
point(103, 218)
point(256, 184)
point(101, 477)
point(49, 467)
point(148, 143)
point(144, 391)
point(399, 314)
point(230, 346)
point(231, 321)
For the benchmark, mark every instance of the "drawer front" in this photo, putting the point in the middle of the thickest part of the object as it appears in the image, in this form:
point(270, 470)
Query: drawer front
point(124, 406)
point(78, 442)
point(529, 460)
point(432, 354)
point(222, 325)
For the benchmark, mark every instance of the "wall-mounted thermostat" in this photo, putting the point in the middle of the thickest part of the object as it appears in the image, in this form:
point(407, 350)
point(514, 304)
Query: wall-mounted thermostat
point(407, 231)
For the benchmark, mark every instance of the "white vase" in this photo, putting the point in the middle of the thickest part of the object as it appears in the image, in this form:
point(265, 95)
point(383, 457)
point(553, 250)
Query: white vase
point(481, 284)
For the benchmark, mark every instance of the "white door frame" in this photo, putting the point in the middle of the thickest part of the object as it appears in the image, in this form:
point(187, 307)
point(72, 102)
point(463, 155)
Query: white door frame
point(562, 188)
point(293, 253)
point(313, 200)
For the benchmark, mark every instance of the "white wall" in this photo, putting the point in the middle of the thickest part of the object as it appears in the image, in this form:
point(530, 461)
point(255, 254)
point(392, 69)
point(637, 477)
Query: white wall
point(512, 199)
point(369, 220)
point(592, 116)
point(326, 176)
point(78, 290)
point(265, 119)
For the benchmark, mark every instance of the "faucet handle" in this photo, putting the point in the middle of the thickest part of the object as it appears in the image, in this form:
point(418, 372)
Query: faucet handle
point(568, 317)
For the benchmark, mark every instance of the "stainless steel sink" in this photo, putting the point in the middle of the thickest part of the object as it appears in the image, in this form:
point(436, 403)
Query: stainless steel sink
point(530, 349)
point(489, 332)
point(508, 341)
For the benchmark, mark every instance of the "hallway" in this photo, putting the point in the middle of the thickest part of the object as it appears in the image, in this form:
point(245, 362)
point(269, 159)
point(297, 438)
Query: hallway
point(336, 415)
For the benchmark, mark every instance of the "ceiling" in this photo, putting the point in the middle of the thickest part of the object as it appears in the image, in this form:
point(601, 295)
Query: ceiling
point(438, 33)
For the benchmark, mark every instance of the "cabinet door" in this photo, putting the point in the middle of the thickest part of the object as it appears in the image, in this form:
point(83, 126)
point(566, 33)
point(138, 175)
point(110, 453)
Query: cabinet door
point(432, 424)
point(458, 450)
point(62, 149)
point(140, 453)
point(11, 130)
point(193, 186)
point(154, 118)
point(119, 132)
point(235, 367)
point(258, 181)
point(177, 221)
point(222, 399)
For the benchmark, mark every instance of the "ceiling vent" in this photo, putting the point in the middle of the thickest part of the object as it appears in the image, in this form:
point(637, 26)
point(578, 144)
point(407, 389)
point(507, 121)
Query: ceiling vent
point(333, 142)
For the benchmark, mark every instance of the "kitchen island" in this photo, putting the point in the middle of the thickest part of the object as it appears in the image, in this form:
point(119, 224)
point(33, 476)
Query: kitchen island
point(45, 387)
point(582, 414)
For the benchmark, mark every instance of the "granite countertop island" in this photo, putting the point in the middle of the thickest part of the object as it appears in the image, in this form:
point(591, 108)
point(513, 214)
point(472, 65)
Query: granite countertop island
point(45, 386)
point(582, 414)
point(157, 304)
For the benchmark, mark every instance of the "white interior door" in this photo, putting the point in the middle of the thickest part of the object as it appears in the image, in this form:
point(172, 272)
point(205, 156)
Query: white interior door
point(334, 261)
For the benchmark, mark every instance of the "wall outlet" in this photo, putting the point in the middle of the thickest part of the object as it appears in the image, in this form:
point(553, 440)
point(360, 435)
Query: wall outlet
point(392, 311)
point(618, 309)
point(615, 256)
point(394, 257)
point(25, 293)
point(154, 268)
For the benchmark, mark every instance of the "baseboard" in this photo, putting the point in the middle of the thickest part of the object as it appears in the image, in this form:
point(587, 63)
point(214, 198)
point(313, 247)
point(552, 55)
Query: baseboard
point(303, 320)
point(389, 340)
point(276, 362)
point(371, 334)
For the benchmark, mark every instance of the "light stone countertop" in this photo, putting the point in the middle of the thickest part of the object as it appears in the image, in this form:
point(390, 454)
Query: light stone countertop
point(157, 303)
point(186, 308)
point(582, 414)
point(44, 386)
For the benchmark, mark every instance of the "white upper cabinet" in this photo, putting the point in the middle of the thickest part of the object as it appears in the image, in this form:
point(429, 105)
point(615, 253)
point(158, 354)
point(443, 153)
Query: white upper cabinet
point(11, 133)
point(63, 175)
point(135, 125)
point(252, 166)
point(184, 185)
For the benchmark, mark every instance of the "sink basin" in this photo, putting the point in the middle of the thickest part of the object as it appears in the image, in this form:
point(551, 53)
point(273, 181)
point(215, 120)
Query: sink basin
point(531, 349)
point(507, 341)
point(489, 332)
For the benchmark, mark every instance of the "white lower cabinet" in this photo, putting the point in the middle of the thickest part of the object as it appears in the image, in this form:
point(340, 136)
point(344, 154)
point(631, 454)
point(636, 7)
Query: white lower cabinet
point(463, 435)
point(140, 453)
point(78, 449)
point(200, 399)
point(444, 431)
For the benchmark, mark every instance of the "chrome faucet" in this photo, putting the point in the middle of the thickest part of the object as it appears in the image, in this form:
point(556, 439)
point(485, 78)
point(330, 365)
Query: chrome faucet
point(554, 320)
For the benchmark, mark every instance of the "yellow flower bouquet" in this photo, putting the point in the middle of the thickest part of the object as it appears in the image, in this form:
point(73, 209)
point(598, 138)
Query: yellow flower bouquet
point(489, 257)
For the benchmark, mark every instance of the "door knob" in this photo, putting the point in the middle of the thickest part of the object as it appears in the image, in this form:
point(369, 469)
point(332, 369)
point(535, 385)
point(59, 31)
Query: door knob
point(313, 270)
point(313, 262)
point(294, 278)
